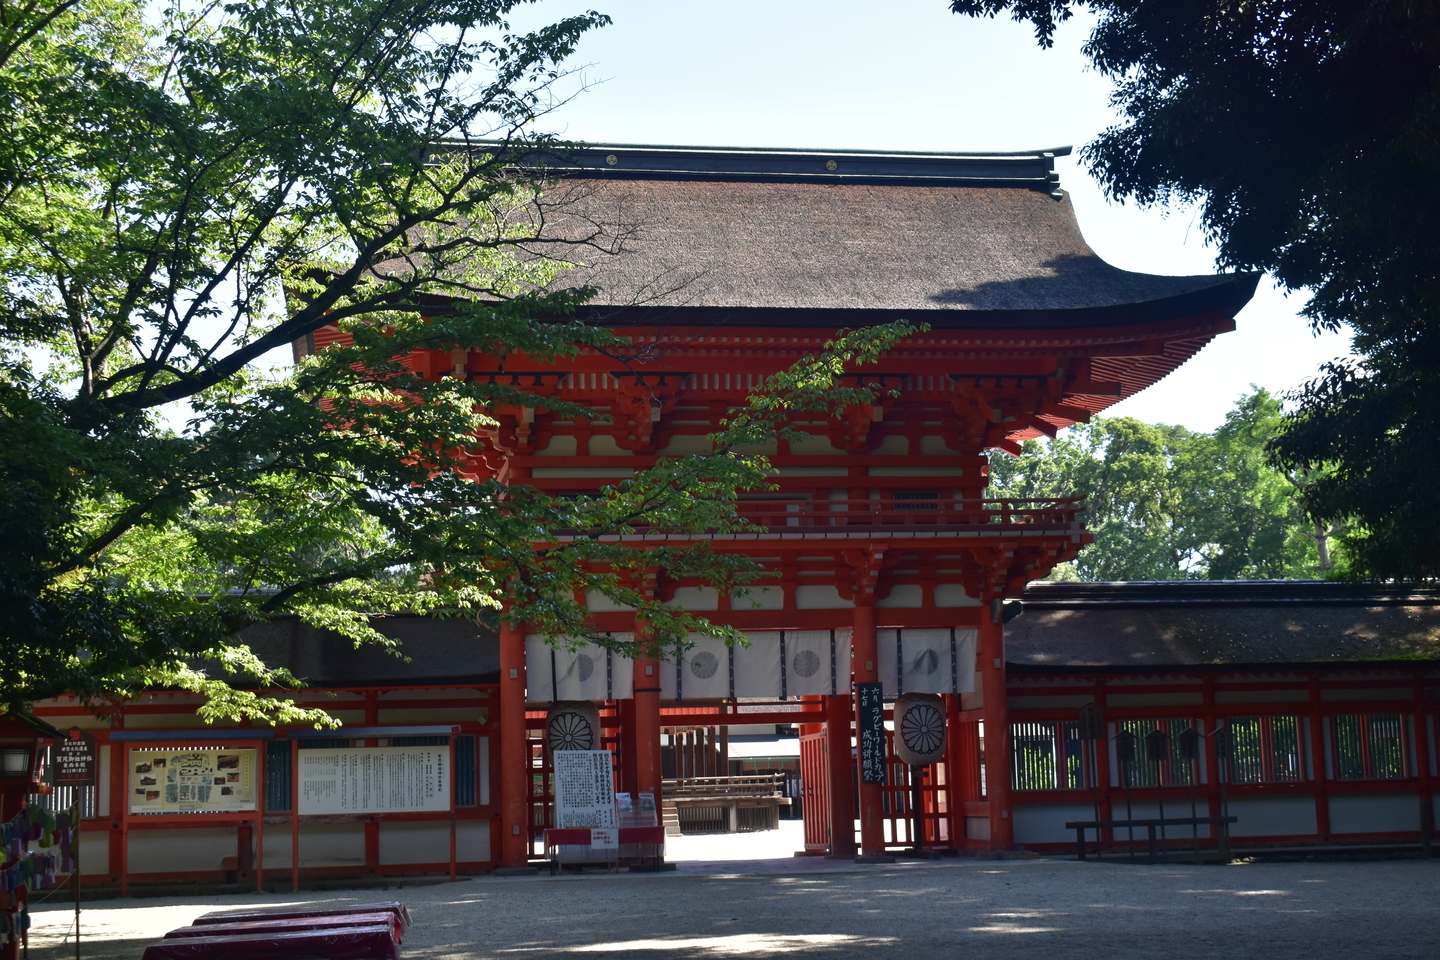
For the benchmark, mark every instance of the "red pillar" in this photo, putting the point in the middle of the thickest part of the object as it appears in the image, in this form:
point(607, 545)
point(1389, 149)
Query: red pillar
point(997, 726)
point(954, 772)
point(839, 768)
point(645, 728)
point(514, 785)
point(864, 661)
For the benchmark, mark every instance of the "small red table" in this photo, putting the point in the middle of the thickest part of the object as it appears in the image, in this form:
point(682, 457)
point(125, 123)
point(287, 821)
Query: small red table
point(651, 840)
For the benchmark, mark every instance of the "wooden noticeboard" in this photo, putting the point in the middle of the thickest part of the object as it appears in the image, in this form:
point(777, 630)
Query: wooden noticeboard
point(170, 779)
point(870, 714)
point(347, 780)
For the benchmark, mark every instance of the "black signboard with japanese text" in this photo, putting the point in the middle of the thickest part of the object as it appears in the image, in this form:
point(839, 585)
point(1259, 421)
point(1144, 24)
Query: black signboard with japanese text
point(77, 759)
point(870, 699)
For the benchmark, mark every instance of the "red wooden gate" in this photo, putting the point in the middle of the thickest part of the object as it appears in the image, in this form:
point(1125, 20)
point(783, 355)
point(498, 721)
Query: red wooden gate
point(815, 784)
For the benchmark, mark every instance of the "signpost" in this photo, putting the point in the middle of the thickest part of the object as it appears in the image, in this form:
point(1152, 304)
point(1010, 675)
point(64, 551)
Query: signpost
point(871, 731)
point(77, 759)
point(77, 764)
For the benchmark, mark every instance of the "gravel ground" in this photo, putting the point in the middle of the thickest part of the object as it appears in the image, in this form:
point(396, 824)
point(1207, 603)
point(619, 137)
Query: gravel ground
point(985, 909)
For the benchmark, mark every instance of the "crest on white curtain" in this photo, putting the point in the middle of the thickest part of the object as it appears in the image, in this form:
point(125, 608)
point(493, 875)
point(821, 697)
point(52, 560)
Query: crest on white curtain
point(584, 672)
point(926, 660)
point(817, 662)
point(701, 672)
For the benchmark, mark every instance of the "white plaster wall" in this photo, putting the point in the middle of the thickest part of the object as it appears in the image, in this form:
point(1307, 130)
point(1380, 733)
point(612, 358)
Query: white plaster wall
point(180, 849)
point(472, 841)
point(1374, 812)
point(427, 842)
point(1045, 822)
point(758, 598)
point(977, 828)
point(1273, 816)
point(905, 595)
point(696, 598)
point(820, 597)
point(954, 595)
point(321, 845)
point(94, 854)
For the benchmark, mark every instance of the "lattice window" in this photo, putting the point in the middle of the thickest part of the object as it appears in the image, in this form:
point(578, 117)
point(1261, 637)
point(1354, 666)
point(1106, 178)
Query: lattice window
point(1050, 756)
point(1370, 746)
point(1265, 750)
point(1172, 770)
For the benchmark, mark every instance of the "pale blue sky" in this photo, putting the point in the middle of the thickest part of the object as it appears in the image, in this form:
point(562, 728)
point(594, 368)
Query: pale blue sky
point(909, 75)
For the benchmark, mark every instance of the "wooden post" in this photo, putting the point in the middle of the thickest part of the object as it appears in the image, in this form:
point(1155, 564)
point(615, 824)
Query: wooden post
point(294, 815)
point(119, 799)
point(866, 661)
point(954, 767)
point(997, 724)
point(454, 786)
point(840, 769)
point(646, 723)
point(75, 853)
point(514, 786)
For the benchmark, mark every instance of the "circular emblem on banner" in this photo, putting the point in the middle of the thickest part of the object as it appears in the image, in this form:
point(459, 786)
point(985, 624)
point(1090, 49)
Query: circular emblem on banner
point(926, 663)
point(920, 728)
point(573, 725)
point(806, 663)
point(704, 664)
point(585, 666)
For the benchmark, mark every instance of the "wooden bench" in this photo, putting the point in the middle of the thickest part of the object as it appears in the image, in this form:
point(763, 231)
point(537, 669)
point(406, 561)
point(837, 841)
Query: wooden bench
point(373, 942)
point(255, 914)
point(288, 925)
point(1080, 826)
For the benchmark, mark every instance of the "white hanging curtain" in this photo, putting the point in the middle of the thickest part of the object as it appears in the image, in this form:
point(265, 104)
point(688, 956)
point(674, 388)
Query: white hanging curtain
point(584, 672)
point(817, 662)
point(701, 672)
point(757, 667)
point(926, 660)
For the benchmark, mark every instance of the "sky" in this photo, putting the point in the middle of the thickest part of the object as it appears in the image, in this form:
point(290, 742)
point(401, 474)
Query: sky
point(910, 75)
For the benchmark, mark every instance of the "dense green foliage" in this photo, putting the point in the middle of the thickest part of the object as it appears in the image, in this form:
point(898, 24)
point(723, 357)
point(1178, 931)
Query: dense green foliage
point(1307, 131)
point(184, 190)
point(1165, 503)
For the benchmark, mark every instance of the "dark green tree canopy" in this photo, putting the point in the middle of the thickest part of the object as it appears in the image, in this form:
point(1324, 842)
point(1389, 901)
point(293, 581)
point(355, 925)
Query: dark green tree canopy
point(1167, 503)
point(182, 190)
point(1308, 131)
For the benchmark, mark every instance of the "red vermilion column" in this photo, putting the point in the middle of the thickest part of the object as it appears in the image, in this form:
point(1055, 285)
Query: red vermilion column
point(954, 765)
point(872, 829)
point(645, 723)
point(997, 726)
point(840, 772)
point(514, 776)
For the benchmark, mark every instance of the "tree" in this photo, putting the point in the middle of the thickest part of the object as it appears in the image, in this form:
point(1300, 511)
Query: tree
point(184, 190)
point(1306, 132)
point(1165, 503)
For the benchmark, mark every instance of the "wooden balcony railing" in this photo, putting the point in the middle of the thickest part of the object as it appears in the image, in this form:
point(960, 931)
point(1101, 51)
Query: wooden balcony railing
point(725, 788)
point(990, 516)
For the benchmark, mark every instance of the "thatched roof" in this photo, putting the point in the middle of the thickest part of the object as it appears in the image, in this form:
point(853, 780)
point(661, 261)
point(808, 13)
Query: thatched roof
point(433, 650)
point(958, 240)
point(1179, 624)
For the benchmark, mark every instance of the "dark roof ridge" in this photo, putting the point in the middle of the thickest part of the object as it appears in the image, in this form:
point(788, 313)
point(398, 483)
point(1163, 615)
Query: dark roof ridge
point(1030, 169)
point(1226, 592)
